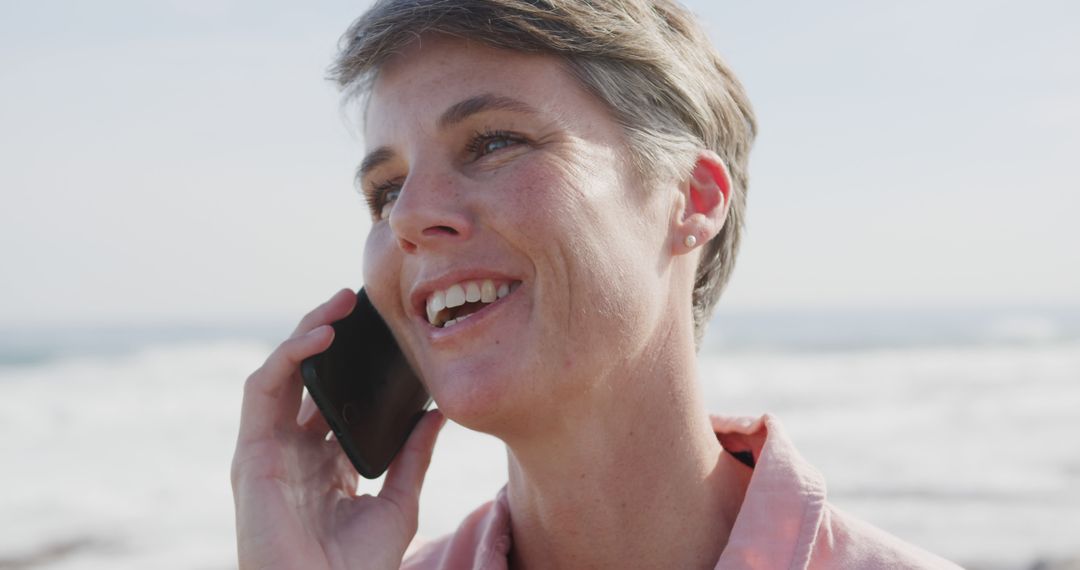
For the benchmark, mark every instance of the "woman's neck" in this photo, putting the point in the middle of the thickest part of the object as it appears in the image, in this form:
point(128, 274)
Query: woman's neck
point(633, 480)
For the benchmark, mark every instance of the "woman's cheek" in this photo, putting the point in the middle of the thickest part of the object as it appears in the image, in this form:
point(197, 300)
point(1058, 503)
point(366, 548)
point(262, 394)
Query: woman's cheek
point(381, 266)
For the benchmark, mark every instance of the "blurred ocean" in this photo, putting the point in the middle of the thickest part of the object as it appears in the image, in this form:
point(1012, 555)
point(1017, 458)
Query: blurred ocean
point(955, 430)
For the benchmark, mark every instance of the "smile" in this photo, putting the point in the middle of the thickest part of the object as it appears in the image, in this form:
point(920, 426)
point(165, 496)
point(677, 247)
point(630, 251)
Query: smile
point(459, 301)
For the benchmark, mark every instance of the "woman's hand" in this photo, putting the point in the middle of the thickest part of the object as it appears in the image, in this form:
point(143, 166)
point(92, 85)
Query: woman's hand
point(295, 492)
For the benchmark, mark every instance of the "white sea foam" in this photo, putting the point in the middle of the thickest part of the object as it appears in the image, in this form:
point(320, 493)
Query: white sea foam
point(122, 461)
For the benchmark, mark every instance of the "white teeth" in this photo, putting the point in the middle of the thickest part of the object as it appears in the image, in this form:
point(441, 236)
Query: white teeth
point(455, 296)
point(436, 303)
point(452, 322)
point(472, 292)
point(487, 291)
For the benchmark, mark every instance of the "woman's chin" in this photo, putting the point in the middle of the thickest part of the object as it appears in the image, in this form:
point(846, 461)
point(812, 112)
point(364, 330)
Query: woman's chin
point(480, 403)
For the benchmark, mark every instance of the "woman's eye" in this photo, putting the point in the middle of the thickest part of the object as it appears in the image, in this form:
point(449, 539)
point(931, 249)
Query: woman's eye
point(388, 202)
point(495, 144)
point(488, 142)
point(381, 199)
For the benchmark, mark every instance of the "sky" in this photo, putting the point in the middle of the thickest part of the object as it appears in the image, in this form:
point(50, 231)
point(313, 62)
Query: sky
point(180, 161)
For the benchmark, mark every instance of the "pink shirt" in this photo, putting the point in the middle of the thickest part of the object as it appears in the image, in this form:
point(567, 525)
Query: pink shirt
point(784, 523)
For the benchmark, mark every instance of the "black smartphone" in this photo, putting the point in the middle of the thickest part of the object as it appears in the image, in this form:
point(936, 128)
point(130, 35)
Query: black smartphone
point(366, 390)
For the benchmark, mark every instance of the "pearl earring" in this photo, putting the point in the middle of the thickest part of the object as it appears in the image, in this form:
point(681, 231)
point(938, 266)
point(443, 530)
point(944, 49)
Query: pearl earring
point(690, 241)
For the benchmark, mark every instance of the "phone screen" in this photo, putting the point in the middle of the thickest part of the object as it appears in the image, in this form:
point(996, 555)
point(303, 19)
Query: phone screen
point(366, 390)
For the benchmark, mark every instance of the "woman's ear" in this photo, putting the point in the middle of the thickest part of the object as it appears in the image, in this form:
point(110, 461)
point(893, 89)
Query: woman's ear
point(706, 195)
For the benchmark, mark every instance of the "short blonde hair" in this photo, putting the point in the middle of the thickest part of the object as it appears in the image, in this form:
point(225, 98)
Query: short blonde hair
point(648, 61)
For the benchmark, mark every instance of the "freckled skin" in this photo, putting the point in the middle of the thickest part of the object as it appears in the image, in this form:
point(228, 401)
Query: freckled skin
point(586, 371)
point(556, 213)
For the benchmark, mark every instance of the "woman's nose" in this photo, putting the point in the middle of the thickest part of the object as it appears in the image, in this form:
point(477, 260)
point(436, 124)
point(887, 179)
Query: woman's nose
point(429, 213)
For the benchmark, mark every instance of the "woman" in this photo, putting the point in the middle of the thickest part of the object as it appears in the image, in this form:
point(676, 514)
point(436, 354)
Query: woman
point(590, 159)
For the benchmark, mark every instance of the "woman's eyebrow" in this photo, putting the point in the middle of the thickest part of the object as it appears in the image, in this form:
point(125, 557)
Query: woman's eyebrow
point(484, 102)
point(453, 115)
point(372, 160)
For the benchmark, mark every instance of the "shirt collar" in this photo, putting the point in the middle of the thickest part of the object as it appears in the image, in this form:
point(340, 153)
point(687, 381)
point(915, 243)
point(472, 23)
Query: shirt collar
point(785, 500)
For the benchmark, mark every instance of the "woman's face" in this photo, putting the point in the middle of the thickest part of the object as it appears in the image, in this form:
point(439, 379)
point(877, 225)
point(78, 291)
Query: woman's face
point(492, 170)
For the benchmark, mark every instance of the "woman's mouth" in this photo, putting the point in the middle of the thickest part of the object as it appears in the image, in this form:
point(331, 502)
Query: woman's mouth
point(449, 306)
